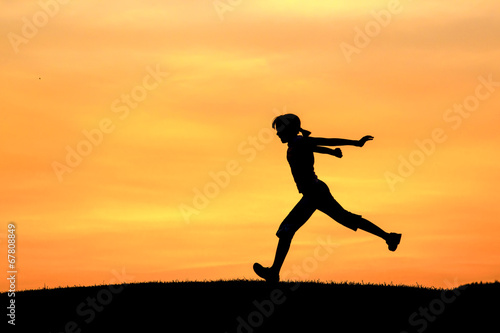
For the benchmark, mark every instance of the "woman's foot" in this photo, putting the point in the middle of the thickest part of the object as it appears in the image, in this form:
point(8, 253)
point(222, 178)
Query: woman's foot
point(266, 273)
point(393, 241)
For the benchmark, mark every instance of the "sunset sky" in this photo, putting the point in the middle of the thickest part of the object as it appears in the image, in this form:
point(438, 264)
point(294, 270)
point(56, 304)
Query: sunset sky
point(137, 139)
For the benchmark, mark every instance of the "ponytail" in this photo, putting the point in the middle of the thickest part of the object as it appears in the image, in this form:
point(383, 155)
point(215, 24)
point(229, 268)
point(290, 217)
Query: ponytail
point(304, 132)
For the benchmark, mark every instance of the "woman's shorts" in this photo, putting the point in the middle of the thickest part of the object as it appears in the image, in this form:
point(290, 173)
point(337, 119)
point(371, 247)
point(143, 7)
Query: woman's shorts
point(318, 196)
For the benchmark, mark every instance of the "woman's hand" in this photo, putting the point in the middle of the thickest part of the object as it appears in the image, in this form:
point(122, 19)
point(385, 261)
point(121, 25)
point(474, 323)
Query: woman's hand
point(337, 152)
point(363, 140)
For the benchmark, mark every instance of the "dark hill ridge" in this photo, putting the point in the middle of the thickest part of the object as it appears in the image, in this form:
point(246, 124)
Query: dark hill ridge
point(244, 306)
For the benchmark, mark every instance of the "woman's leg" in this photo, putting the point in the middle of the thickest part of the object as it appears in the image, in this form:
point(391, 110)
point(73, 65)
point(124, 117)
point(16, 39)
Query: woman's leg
point(350, 220)
point(373, 229)
point(281, 252)
point(332, 208)
point(295, 219)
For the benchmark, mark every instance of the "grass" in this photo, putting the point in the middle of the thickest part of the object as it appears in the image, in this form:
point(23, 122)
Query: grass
point(248, 306)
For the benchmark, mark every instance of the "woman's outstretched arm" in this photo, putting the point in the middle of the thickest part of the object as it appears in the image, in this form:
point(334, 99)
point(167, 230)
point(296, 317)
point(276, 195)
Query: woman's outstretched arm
point(323, 150)
point(340, 142)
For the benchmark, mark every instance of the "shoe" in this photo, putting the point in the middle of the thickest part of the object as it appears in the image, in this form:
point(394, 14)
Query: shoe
point(393, 241)
point(266, 273)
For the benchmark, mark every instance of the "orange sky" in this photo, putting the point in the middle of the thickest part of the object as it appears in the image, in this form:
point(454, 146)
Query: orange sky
point(116, 116)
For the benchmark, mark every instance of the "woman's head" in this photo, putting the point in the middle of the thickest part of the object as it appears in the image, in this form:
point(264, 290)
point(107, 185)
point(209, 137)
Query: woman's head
point(288, 126)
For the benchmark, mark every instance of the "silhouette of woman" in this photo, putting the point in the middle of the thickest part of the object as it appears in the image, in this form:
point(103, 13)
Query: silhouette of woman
point(316, 194)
